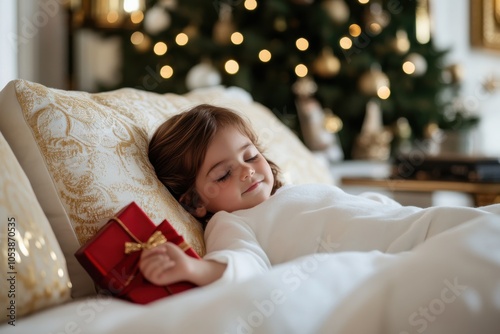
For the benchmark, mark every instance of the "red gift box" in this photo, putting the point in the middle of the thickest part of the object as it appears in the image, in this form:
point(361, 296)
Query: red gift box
point(111, 257)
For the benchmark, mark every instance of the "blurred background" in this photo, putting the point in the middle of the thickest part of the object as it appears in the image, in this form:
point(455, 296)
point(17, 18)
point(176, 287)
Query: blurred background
point(355, 79)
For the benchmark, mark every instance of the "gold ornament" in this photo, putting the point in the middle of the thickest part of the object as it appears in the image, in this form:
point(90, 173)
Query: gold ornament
point(280, 24)
point(318, 126)
point(191, 31)
point(491, 84)
point(326, 65)
point(337, 10)
point(377, 15)
point(372, 81)
point(373, 142)
point(224, 27)
point(401, 43)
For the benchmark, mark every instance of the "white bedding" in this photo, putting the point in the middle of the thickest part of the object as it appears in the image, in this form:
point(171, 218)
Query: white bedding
point(448, 284)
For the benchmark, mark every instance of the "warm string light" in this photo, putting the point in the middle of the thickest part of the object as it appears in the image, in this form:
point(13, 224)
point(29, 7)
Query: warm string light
point(250, 4)
point(166, 72)
point(375, 28)
point(160, 48)
point(345, 43)
point(302, 44)
point(384, 92)
point(264, 56)
point(354, 30)
point(131, 6)
point(231, 66)
point(139, 40)
point(408, 67)
point(137, 17)
point(301, 70)
point(237, 38)
point(181, 39)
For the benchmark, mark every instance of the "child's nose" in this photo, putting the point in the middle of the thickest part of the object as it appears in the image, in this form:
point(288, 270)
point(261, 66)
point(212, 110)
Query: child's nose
point(247, 172)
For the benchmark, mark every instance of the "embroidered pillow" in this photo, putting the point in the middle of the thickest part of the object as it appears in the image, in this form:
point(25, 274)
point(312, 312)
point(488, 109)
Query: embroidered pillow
point(33, 271)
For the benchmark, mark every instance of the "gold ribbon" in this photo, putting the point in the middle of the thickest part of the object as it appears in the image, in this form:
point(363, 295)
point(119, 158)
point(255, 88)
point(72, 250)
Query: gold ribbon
point(156, 239)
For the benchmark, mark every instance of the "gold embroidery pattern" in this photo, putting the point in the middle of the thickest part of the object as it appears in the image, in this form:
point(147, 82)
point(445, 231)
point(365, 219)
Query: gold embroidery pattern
point(95, 149)
point(36, 266)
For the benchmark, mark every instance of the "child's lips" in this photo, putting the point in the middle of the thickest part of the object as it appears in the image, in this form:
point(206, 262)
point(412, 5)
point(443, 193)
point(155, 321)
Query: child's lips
point(252, 187)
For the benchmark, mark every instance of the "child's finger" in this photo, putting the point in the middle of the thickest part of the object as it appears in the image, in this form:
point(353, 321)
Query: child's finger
point(146, 253)
point(159, 273)
point(152, 260)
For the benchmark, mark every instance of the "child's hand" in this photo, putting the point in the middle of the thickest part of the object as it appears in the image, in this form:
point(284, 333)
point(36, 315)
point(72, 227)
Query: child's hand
point(165, 264)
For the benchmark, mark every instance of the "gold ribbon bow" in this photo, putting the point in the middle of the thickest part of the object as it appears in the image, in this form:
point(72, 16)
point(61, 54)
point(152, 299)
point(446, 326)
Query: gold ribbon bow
point(156, 239)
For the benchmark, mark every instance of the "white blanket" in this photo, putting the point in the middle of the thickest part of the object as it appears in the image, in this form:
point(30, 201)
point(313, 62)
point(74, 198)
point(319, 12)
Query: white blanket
point(447, 284)
point(317, 218)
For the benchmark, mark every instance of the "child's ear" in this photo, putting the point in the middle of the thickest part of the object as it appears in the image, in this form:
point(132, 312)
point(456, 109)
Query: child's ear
point(192, 203)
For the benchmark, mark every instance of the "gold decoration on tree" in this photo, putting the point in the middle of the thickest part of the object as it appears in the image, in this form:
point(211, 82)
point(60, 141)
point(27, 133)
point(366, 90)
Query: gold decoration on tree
point(224, 27)
point(191, 31)
point(280, 24)
point(326, 65)
point(313, 122)
point(491, 84)
point(373, 142)
point(376, 18)
point(373, 80)
point(401, 43)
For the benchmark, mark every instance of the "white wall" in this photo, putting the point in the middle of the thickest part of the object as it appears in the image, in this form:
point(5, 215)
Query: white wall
point(33, 40)
point(451, 26)
point(8, 55)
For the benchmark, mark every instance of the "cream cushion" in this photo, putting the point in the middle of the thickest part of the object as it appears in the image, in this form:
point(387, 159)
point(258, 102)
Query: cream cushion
point(33, 271)
point(86, 156)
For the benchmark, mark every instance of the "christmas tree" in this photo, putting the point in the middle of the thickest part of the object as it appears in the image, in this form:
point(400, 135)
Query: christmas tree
point(352, 52)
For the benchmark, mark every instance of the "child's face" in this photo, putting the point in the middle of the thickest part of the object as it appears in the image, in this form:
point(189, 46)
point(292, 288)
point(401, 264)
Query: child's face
point(234, 174)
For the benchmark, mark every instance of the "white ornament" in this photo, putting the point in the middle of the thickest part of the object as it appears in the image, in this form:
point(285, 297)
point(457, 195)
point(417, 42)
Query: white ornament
point(337, 10)
point(156, 20)
point(419, 62)
point(202, 75)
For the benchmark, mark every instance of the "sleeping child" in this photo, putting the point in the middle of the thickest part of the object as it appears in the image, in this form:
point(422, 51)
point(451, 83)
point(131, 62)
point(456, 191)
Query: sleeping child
point(210, 161)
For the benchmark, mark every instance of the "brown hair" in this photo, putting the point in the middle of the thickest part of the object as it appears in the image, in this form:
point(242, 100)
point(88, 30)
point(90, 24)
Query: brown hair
point(179, 146)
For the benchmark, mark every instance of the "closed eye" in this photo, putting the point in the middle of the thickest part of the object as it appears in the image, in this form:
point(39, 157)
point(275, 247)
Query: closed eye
point(224, 177)
point(252, 158)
